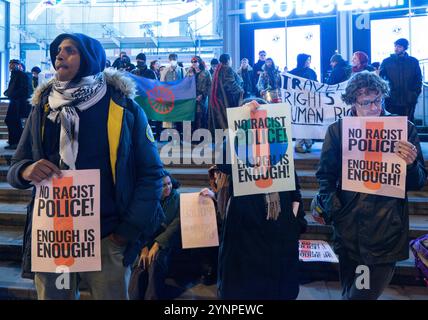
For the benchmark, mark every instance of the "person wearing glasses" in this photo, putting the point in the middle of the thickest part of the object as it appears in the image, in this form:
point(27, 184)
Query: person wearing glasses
point(203, 88)
point(370, 230)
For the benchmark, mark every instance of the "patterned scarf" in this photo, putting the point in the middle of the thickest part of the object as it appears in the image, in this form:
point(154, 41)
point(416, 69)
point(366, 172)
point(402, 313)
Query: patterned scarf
point(64, 98)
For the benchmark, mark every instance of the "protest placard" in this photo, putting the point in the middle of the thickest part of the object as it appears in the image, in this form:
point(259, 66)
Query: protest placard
point(66, 223)
point(261, 149)
point(316, 250)
point(314, 105)
point(369, 162)
point(198, 221)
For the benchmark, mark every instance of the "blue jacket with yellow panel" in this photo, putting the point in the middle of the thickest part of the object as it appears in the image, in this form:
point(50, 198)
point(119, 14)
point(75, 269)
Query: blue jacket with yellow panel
point(133, 159)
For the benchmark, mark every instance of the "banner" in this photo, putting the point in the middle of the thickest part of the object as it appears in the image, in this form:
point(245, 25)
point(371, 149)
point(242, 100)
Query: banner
point(369, 162)
point(314, 105)
point(167, 101)
point(261, 149)
point(316, 250)
point(198, 221)
point(66, 223)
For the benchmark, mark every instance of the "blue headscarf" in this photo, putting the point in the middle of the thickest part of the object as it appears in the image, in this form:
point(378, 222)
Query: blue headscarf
point(92, 54)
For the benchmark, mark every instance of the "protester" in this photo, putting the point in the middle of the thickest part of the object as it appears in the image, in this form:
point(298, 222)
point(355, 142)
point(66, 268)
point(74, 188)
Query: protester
point(155, 67)
point(35, 77)
point(226, 92)
point(142, 70)
point(341, 70)
point(203, 89)
point(174, 71)
point(259, 254)
point(18, 92)
point(405, 78)
point(246, 73)
point(376, 67)
point(119, 61)
point(360, 62)
point(303, 70)
point(101, 128)
point(126, 64)
point(155, 255)
point(214, 63)
point(370, 230)
point(219, 193)
point(270, 78)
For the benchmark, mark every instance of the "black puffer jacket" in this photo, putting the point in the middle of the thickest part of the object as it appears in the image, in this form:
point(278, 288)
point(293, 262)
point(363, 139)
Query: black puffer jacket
point(405, 79)
point(371, 229)
point(340, 73)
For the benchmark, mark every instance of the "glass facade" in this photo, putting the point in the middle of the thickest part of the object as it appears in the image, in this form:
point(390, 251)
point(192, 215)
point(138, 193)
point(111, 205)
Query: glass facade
point(157, 26)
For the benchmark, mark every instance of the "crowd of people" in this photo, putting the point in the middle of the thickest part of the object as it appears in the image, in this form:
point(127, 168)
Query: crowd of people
point(218, 90)
point(258, 255)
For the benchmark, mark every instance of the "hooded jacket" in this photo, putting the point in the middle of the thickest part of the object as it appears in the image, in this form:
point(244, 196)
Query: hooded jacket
point(134, 159)
point(301, 70)
point(340, 73)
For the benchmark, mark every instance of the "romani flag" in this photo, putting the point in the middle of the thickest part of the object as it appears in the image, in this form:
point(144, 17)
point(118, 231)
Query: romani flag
point(167, 101)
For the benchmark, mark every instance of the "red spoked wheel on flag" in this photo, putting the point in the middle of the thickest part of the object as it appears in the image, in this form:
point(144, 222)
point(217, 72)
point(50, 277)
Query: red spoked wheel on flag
point(161, 99)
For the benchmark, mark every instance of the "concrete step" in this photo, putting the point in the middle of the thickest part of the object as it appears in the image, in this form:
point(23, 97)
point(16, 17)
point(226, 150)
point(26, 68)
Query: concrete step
point(418, 200)
point(11, 195)
point(423, 137)
point(405, 272)
point(422, 129)
point(11, 243)
point(13, 214)
point(192, 176)
point(12, 286)
point(11, 233)
point(418, 226)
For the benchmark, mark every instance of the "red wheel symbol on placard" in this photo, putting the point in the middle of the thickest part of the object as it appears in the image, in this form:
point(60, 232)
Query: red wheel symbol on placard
point(161, 100)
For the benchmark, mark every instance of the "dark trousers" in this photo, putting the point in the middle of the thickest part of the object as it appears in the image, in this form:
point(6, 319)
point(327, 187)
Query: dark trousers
point(154, 288)
point(379, 277)
point(13, 122)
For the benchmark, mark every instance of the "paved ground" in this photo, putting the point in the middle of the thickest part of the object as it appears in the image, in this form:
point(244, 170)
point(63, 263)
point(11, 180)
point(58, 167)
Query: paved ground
point(319, 290)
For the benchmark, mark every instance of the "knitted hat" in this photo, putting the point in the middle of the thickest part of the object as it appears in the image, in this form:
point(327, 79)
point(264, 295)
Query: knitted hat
point(141, 56)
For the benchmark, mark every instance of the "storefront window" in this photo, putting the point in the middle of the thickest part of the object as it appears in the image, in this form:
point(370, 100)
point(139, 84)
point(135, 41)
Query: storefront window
point(153, 25)
point(295, 40)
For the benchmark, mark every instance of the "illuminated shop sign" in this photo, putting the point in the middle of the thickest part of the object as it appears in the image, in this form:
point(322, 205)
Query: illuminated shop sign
point(266, 9)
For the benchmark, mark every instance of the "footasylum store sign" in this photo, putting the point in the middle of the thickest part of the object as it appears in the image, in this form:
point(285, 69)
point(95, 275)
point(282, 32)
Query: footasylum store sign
point(266, 9)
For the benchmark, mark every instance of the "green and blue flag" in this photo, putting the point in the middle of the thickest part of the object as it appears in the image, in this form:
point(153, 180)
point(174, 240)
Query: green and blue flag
point(167, 101)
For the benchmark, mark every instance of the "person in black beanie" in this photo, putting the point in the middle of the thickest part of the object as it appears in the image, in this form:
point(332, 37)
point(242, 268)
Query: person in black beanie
point(85, 118)
point(405, 79)
point(142, 69)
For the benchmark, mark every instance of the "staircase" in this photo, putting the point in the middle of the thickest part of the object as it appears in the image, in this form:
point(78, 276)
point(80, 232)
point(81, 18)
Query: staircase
point(193, 178)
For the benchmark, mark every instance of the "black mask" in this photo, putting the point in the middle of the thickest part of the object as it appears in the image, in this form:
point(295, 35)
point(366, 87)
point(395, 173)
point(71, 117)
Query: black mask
point(141, 64)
